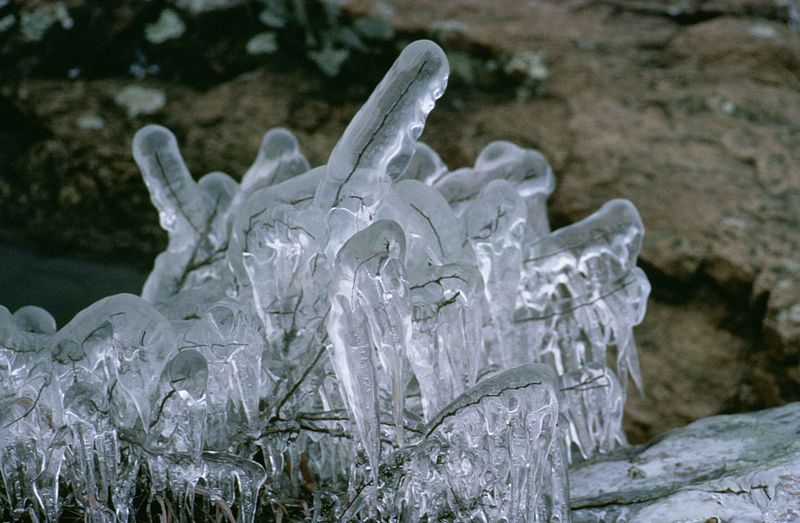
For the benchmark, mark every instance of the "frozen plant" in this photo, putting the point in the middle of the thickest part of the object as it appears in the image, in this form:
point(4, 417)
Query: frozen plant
point(378, 337)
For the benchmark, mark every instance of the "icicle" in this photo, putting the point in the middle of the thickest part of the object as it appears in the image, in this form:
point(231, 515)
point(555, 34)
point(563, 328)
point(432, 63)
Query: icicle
point(359, 264)
point(494, 454)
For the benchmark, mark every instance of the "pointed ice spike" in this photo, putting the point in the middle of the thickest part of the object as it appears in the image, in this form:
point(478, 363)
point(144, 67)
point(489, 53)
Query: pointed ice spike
point(181, 207)
point(225, 474)
point(592, 405)
point(379, 143)
point(382, 290)
point(47, 484)
point(349, 331)
point(525, 169)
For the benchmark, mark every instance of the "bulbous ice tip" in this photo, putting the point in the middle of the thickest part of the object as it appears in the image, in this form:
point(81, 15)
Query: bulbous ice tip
point(35, 319)
point(432, 62)
point(383, 236)
point(188, 371)
point(620, 210)
point(278, 142)
point(152, 138)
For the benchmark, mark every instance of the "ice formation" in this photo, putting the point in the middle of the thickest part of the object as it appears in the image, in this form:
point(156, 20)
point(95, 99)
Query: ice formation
point(378, 337)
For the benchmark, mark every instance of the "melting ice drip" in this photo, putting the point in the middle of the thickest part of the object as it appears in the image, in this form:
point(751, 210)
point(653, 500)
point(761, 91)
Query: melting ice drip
point(381, 336)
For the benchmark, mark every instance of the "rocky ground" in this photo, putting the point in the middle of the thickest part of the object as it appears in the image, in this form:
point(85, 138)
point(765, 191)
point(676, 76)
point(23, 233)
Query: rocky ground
point(689, 109)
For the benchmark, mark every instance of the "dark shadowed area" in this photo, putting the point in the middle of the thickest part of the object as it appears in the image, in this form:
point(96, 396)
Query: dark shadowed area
point(63, 286)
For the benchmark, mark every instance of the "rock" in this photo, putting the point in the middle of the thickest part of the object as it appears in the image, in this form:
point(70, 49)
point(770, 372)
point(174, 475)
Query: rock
point(742, 467)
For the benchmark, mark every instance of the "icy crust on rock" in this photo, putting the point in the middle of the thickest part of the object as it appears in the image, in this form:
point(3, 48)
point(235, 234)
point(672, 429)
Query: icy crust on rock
point(380, 337)
point(725, 468)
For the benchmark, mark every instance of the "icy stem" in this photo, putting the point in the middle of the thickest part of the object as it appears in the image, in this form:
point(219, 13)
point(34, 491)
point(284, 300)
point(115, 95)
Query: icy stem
point(493, 454)
point(379, 338)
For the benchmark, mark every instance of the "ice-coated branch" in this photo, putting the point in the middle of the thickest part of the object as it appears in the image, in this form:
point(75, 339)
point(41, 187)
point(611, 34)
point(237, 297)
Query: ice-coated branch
point(379, 338)
point(379, 143)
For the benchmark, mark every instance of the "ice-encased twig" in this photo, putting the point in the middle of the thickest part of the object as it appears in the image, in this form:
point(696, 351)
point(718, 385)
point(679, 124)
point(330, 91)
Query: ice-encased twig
point(274, 240)
point(592, 407)
point(194, 215)
point(122, 343)
point(370, 258)
point(494, 454)
point(494, 223)
point(445, 350)
point(174, 193)
point(425, 166)
point(429, 289)
point(379, 142)
point(437, 238)
point(526, 169)
point(279, 159)
point(581, 292)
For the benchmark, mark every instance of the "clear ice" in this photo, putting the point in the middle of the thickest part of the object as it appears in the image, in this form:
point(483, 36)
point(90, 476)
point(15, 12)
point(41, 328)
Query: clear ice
point(378, 337)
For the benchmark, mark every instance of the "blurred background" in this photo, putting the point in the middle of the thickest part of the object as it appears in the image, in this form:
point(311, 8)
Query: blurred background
point(689, 108)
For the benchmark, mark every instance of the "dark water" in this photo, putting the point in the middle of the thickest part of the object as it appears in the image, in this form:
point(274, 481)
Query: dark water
point(60, 285)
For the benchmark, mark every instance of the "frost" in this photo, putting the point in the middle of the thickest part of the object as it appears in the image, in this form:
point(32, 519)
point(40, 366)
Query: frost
point(396, 339)
point(139, 100)
point(168, 27)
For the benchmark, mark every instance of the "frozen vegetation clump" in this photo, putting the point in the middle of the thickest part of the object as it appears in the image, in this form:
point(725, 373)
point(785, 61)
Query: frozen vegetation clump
point(378, 338)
